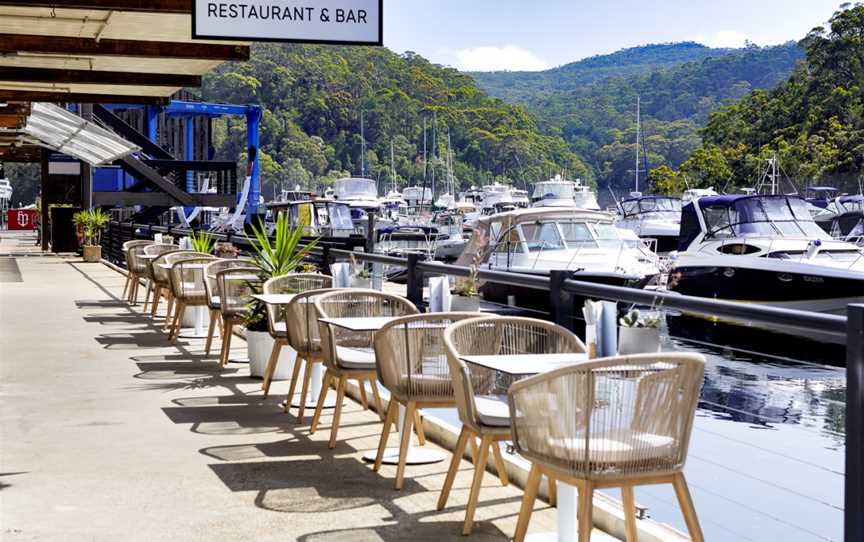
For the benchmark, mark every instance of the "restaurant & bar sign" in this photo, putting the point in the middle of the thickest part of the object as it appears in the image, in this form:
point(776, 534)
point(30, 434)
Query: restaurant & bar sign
point(349, 22)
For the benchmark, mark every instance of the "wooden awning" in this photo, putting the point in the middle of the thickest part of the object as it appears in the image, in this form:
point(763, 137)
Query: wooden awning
point(103, 51)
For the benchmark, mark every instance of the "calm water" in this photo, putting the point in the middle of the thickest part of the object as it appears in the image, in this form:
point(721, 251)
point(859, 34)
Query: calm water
point(767, 455)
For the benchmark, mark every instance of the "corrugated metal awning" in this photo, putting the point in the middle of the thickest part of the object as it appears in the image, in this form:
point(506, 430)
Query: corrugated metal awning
point(58, 129)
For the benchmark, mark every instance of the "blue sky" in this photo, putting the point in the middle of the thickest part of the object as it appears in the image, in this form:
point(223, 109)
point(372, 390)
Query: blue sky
point(539, 34)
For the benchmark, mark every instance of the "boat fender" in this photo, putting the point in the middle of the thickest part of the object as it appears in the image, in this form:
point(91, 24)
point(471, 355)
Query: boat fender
point(813, 248)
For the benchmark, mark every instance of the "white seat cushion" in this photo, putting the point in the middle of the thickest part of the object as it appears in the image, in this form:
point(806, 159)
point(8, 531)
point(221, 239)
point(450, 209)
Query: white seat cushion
point(356, 358)
point(493, 410)
point(622, 447)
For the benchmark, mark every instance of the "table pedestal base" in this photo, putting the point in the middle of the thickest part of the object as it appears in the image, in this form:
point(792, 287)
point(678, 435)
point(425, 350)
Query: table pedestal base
point(415, 456)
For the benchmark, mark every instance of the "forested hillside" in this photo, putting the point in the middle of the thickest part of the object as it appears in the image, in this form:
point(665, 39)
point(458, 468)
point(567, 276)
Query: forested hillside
point(813, 122)
point(313, 96)
point(597, 116)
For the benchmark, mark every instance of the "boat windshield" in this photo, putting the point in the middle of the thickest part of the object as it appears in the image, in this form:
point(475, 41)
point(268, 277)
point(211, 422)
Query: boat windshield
point(352, 188)
point(553, 191)
point(850, 204)
point(651, 205)
point(568, 234)
point(760, 216)
point(340, 217)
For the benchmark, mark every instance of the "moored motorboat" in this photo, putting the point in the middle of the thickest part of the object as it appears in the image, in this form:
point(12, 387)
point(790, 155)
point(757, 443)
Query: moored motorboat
point(765, 249)
point(652, 217)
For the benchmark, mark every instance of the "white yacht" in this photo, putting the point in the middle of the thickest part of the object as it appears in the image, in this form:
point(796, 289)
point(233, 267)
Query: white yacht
point(765, 249)
point(496, 197)
point(537, 241)
point(655, 218)
point(559, 192)
point(417, 196)
point(360, 194)
point(520, 198)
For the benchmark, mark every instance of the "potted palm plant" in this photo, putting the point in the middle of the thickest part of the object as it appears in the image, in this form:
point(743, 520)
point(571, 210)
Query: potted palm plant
point(275, 257)
point(466, 296)
point(90, 224)
point(361, 275)
point(202, 242)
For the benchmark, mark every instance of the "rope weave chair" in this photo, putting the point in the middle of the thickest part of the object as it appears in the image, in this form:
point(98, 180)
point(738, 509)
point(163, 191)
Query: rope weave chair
point(611, 422)
point(136, 269)
point(278, 325)
point(304, 337)
point(349, 354)
point(235, 288)
point(187, 285)
point(480, 392)
point(169, 260)
point(155, 249)
point(212, 290)
point(126, 247)
point(162, 279)
point(412, 365)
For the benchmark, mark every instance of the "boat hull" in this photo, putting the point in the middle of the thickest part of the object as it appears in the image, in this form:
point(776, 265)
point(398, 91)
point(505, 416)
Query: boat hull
point(793, 290)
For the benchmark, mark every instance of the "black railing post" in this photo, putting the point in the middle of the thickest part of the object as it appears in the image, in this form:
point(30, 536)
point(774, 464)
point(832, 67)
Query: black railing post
point(853, 524)
point(415, 279)
point(561, 302)
point(370, 234)
point(325, 259)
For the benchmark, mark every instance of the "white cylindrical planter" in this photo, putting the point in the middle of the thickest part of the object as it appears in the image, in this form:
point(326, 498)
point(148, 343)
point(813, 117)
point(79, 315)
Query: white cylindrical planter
point(259, 345)
point(638, 340)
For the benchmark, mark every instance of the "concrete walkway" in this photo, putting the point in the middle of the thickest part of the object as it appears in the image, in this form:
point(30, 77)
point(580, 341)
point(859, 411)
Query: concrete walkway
point(108, 433)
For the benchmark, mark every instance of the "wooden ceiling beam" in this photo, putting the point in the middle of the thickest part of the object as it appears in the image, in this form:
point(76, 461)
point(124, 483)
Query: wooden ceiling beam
point(62, 45)
point(48, 75)
point(72, 97)
point(157, 6)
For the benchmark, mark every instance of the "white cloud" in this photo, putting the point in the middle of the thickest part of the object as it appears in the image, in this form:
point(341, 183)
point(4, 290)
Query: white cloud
point(724, 38)
point(507, 57)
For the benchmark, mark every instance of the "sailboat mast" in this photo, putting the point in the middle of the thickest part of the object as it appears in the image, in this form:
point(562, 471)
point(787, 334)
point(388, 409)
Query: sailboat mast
point(434, 138)
point(424, 151)
point(362, 147)
point(638, 99)
point(392, 167)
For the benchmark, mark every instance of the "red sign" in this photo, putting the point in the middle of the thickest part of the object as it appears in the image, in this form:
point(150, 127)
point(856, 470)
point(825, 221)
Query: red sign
point(22, 219)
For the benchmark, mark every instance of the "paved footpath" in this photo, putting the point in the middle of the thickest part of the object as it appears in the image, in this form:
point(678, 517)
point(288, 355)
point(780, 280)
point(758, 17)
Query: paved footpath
point(109, 433)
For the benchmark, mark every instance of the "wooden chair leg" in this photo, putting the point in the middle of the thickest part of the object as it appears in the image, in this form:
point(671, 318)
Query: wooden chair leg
point(404, 442)
point(271, 366)
point(473, 442)
point(527, 508)
point(126, 286)
point(211, 331)
point(458, 453)
point(476, 483)
point(147, 295)
point(226, 342)
point(307, 379)
point(133, 295)
point(392, 412)
point(585, 517)
point(629, 502)
point(685, 501)
point(553, 491)
point(178, 321)
point(325, 387)
point(167, 322)
point(295, 374)
point(418, 427)
point(361, 384)
point(500, 467)
point(157, 297)
point(379, 404)
point(337, 412)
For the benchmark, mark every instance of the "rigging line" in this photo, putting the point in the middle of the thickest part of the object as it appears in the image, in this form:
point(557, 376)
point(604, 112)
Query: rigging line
point(770, 451)
point(830, 368)
point(756, 511)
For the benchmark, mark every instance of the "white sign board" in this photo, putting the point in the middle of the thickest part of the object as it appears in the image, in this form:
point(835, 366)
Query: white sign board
point(349, 22)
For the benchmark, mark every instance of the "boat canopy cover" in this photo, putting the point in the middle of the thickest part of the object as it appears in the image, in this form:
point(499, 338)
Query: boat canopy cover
point(650, 204)
point(742, 215)
point(51, 126)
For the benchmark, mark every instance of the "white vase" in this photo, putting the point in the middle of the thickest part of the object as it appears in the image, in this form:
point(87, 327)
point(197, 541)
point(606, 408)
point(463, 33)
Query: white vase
point(259, 344)
point(461, 303)
point(638, 340)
